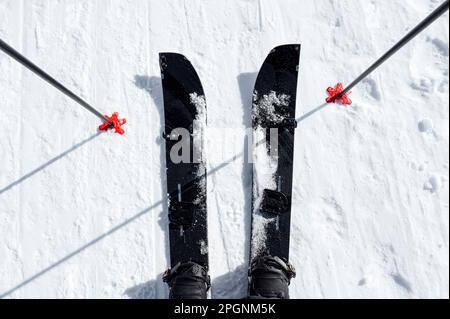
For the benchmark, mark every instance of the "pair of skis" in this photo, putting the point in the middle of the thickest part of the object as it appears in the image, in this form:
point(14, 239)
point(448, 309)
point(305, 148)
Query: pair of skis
point(273, 123)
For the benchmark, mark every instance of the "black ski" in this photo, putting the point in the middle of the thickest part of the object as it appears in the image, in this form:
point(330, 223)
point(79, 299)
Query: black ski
point(185, 120)
point(273, 121)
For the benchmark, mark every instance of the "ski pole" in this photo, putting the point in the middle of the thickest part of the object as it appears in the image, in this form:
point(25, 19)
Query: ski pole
point(109, 122)
point(339, 93)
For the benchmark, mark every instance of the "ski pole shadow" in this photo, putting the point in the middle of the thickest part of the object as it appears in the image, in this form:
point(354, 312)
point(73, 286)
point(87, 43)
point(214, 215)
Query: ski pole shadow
point(232, 285)
point(45, 165)
point(311, 112)
point(146, 290)
point(80, 249)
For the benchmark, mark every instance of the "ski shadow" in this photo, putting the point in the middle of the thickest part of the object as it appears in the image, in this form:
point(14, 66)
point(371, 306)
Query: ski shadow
point(48, 163)
point(146, 290)
point(152, 85)
point(232, 285)
point(246, 83)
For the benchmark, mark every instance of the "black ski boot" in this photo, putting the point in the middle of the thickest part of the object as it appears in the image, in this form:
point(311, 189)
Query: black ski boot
point(270, 278)
point(187, 281)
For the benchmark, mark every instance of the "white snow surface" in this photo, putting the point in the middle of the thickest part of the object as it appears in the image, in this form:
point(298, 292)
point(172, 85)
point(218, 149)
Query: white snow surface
point(84, 215)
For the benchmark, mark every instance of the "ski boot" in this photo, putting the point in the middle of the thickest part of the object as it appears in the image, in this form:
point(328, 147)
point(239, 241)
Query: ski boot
point(187, 281)
point(270, 278)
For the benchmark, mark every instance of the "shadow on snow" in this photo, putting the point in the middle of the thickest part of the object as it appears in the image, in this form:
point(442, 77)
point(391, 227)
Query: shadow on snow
point(229, 285)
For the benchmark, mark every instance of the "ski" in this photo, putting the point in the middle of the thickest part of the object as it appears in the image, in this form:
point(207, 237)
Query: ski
point(185, 121)
point(273, 124)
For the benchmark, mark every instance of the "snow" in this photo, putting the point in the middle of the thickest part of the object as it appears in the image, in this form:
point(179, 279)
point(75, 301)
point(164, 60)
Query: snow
point(84, 215)
point(199, 130)
point(264, 160)
point(264, 169)
point(264, 107)
point(426, 126)
point(199, 146)
point(433, 184)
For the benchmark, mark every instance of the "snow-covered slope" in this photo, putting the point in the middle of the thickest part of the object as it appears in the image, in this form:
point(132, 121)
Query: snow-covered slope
point(83, 215)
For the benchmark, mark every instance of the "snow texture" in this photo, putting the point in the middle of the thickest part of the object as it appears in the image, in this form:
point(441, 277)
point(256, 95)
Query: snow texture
point(264, 107)
point(264, 169)
point(265, 161)
point(84, 215)
point(199, 129)
point(199, 147)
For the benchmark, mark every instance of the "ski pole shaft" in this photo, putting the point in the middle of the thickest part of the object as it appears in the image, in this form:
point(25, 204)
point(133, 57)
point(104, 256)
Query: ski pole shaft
point(419, 28)
point(38, 71)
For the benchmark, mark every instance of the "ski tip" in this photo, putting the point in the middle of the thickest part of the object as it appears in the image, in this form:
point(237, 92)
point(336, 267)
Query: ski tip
point(166, 57)
point(295, 46)
point(172, 54)
point(180, 70)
